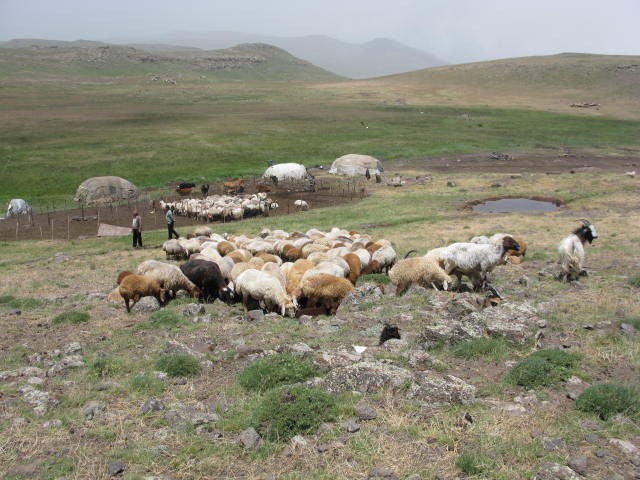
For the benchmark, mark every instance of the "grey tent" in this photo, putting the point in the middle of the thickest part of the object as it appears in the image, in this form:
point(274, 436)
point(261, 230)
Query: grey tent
point(18, 206)
point(105, 190)
point(355, 165)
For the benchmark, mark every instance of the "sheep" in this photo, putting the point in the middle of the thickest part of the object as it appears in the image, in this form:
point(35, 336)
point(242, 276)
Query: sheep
point(424, 271)
point(323, 288)
point(260, 286)
point(301, 205)
point(310, 248)
point(474, 260)
point(122, 275)
point(296, 272)
point(268, 257)
point(172, 248)
point(382, 258)
point(274, 270)
point(202, 230)
point(224, 247)
point(355, 266)
point(239, 255)
point(170, 277)
point(239, 268)
point(291, 253)
point(571, 251)
point(211, 253)
point(134, 287)
point(365, 257)
point(208, 278)
point(497, 238)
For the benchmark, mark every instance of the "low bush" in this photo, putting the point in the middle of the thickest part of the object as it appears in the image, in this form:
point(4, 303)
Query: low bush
point(274, 370)
point(291, 410)
point(543, 368)
point(105, 367)
point(634, 281)
point(20, 303)
point(492, 348)
point(71, 317)
point(165, 319)
point(179, 365)
point(607, 400)
point(633, 321)
point(473, 463)
point(374, 278)
point(147, 385)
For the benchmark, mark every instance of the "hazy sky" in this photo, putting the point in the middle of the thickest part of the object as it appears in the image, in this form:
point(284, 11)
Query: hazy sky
point(454, 30)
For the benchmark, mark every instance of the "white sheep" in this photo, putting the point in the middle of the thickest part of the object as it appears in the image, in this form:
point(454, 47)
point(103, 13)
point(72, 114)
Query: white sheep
point(173, 248)
point(170, 277)
point(262, 287)
point(425, 271)
point(301, 205)
point(571, 251)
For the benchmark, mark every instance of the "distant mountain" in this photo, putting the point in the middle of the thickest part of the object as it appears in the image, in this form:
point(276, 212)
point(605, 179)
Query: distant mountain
point(254, 61)
point(371, 59)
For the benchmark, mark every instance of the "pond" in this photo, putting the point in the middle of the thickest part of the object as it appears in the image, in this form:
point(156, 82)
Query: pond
point(505, 205)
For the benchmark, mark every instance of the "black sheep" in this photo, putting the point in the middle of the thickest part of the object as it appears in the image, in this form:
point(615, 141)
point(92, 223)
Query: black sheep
point(389, 332)
point(208, 278)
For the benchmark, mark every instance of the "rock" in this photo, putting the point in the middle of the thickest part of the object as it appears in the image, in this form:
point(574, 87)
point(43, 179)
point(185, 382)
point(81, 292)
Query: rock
point(243, 351)
point(97, 296)
point(579, 464)
point(599, 453)
point(365, 293)
point(625, 446)
point(553, 443)
point(451, 183)
point(38, 399)
point(379, 473)
point(194, 415)
point(542, 323)
point(508, 408)
point(366, 377)
point(351, 426)
point(555, 471)
point(629, 329)
point(298, 349)
point(20, 422)
point(72, 348)
point(24, 471)
point(415, 476)
point(151, 405)
point(52, 424)
point(326, 361)
point(590, 425)
point(593, 439)
point(255, 316)
point(35, 381)
point(395, 345)
point(146, 305)
point(322, 448)
point(298, 443)
point(305, 319)
point(173, 347)
point(437, 390)
point(116, 468)
point(421, 360)
point(193, 310)
point(15, 311)
point(204, 319)
point(364, 411)
point(93, 409)
point(250, 439)
point(524, 281)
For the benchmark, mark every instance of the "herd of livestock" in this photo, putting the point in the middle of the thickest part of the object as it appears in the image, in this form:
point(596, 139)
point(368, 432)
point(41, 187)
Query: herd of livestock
point(311, 272)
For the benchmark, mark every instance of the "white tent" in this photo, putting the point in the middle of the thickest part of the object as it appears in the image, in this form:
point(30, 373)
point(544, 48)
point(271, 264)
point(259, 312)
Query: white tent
point(105, 190)
point(18, 206)
point(286, 171)
point(355, 165)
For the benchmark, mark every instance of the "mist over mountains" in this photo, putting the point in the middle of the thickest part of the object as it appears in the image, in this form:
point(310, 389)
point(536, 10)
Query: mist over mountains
point(378, 57)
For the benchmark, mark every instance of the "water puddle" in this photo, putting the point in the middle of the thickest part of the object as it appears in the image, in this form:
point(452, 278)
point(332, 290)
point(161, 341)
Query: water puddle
point(506, 205)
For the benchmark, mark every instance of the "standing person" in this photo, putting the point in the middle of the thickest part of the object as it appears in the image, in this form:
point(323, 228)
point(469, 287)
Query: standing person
point(170, 222)
point(136, 228)
point(205, 190)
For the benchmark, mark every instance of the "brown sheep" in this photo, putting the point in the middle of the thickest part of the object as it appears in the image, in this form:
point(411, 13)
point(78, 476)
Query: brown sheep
point(291, 253)
point(268, 257)
point(134, 287)
point(295, 273)
point(224, 248)
point(425, 271)
point(323, 289)
point(354, 266)
point(521, 252)
point(122, 275)
point(239, 256)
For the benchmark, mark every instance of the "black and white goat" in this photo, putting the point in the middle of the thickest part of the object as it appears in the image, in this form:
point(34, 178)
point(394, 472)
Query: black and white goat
point(571, 251)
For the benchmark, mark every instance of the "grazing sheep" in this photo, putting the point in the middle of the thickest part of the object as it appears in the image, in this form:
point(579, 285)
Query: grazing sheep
point(170, 277)
point(421, 270)
point(323, 287)
point(269, 257)
point(134, 287)
point(383, 258)
point(208, 278)
point(296, 272)
point(202, 230)
point(239, 255)
point(301, 205)
point(291, 253)
point(355, 267)
point(225, 247)
point(172, 248)
point(122, 275)
point(274, 270)
point(571, 251)
point(256, 286)
point(239, 268)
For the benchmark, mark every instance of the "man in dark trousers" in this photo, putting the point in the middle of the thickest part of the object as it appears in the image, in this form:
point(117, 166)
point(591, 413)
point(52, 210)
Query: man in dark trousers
point(136, 228)
point(204, 189)
point(170, 222)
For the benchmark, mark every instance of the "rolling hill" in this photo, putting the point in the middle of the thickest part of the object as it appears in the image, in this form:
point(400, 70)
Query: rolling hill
point(33, 58)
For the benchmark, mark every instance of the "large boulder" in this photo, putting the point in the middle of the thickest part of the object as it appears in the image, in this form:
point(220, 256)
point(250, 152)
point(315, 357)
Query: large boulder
point(356, 165)
point(18, 206)
point(286, 171)
point(105, 190)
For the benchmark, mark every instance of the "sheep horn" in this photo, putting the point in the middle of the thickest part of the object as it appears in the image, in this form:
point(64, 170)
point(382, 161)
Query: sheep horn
point(585, 222)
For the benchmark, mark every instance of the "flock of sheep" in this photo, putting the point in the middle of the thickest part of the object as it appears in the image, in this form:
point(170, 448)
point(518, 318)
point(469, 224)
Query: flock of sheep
point(311, 272)
point(222, 207)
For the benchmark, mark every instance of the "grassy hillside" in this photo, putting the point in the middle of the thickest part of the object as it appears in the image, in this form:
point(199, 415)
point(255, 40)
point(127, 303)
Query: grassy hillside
point(543, 83)
point(33, 59)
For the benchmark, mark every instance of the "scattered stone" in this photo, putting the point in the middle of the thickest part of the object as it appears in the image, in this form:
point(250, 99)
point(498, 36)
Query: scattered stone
point(15, 311)
point(102, 388)
point(542, 323)
point(146, 305)
point(326, 361)
point(415, 476)
point(555, 471)
point(599, 453)
point(364, 411)
point(451, 183)
point(243, 351)
point(366, 377)
point(35, 381)
point(24, 471)
point(151, 405)
point(250, 439)
point(204, 319)
point(629, 329)
point(421, 360)
point(194, 415)
point(322, 448)
point(93, 409)
point(553, 443)
point(96, 296)
point(379, 473)
point(38, 399)
point(298, 443)
point(173, 347)
point(579, 464)
point(438, 390)
point(52, 424)
point(255, 316)
point(351, 426)
point(590, 425)
point(625, 446)
point(508, 408)
point(305, 319)
point(365, 293)
point(497, 185)
point(298, 349)
point(20, 422)
point(193, 310)
point(117, 467)
point(593, 439)
point(72, 348)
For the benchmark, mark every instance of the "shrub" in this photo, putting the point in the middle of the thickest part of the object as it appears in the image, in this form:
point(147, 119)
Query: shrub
point(543, 368)
point(634, 281)
point(472, 463)
point(634, 321)
point(274, 370)
point(146, 384)
point(71, 317)
point(179, 365)
point(494, 348)
point(161, 319)
point(609, 399)
point(105, 367)
point(292, 410)
point(21, 303)
point(374, 278)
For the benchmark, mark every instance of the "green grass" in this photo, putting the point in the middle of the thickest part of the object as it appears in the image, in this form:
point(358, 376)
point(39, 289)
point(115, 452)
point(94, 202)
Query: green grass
point(607, 400)
point(633, 321)
point(292, 410)
point(543, 368)
point(492, 349)
point(23, 303)
point(377, 278)
point(634, 281)
point(473, 463)
point(274, 370)
point(72, 317)
point(164, 319)
point(179, 365)
point(146, 385)
point(105, 367)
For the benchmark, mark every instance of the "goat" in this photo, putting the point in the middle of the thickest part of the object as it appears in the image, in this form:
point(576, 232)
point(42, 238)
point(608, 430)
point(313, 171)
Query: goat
point(571, 251)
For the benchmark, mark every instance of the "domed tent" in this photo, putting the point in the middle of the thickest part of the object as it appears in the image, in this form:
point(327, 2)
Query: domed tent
point(354, 165)
point(18, 206)
point(105, 190)
point(286, 171)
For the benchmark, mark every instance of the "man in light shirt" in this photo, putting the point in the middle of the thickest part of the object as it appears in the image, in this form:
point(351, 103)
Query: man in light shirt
point(136, 228)
point(170, 222)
